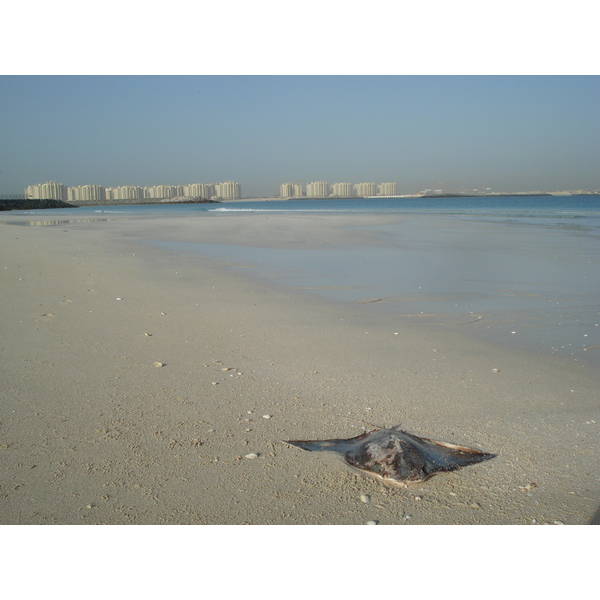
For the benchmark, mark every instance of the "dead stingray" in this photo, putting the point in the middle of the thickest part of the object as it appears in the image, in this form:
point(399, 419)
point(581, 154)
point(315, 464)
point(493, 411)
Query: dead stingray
point(397, 457)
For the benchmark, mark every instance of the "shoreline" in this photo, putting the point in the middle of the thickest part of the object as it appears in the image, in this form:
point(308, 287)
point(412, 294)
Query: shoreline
point(92, 432)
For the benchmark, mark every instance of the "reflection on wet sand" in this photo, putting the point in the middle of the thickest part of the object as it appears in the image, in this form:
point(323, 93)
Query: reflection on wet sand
point(57, 222)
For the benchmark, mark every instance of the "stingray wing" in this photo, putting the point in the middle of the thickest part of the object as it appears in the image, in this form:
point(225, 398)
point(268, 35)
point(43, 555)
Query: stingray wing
point(441, 456)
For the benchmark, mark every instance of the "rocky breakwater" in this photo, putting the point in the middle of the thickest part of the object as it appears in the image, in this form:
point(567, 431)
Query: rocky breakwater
point(33, 204)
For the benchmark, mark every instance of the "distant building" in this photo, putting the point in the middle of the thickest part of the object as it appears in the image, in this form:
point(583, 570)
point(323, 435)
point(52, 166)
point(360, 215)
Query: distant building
point(317, 189)
point(388, 189)
point(202, 190)
point(86, 193)
point(286, 190)
point(47, 191)
point(125, 192)
point(289, 189)
point(228, 190)
point(365, 189)
point(342, 190)
point(163, 191)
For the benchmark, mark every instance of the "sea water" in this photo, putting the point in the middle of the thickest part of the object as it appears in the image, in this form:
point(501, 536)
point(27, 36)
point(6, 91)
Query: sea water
point(520, 270)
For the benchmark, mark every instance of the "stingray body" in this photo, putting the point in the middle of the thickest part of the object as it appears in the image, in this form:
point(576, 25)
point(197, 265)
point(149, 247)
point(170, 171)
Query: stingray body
point(397, 457)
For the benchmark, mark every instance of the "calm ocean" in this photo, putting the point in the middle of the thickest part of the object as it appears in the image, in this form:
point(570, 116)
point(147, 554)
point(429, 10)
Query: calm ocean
point(567, 211)
point(526, 272)
point(544, 209)
point(519, 270)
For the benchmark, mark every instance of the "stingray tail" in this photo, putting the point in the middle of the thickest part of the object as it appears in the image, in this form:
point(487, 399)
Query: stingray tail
point(335, 445)
point(314, 445)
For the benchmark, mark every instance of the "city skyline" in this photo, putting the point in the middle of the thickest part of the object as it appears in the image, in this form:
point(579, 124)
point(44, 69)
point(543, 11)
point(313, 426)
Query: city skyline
point(52, 190)
point(508, 133)
point(232, 190)
point(228, 190)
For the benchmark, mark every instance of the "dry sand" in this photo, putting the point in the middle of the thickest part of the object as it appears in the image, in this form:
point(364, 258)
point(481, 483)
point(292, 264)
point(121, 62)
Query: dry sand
point(92, 432)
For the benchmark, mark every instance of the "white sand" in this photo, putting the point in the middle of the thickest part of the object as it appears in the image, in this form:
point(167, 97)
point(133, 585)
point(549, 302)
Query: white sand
point(92, 432)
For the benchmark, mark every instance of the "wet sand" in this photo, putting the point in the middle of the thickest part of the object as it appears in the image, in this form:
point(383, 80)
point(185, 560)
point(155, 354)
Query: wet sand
point(92, 432)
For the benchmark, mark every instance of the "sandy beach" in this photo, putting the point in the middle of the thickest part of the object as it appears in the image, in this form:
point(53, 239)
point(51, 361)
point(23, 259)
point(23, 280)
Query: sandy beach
point(92, 432)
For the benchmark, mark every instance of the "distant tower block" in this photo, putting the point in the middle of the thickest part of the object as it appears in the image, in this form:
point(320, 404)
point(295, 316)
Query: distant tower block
point(202, 190)
point(343, 190)
point(388, 189)
point(365, 189)
point(228, 190)
point(289, 189)
point(317, 189)
point(86, 193)
point(47, 191)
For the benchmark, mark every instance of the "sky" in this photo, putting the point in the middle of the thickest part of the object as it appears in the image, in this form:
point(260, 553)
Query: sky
point(457, 95)
point(509, 133)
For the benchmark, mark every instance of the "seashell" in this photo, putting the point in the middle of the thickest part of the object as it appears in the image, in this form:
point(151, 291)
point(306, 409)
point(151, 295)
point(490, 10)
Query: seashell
point(158, 364)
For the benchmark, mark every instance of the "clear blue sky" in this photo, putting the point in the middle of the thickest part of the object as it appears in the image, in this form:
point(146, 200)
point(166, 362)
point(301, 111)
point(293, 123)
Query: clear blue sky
point(511, 133)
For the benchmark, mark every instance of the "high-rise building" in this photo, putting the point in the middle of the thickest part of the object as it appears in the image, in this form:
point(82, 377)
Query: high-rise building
point(317, 189)
point(86, 193)
point(388, 189)
point(343, 190)
point(289, 189)
point(365, 189)
point(228, 190)
point(286, 190)
point(162, 191)
point(125, 192)
point(73, 194)
point(201, 190)
point(47, 191)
